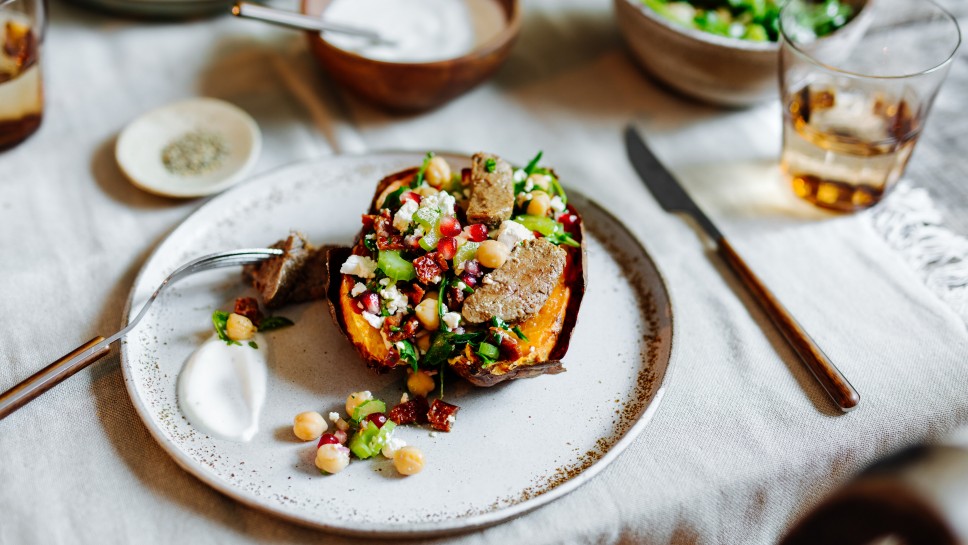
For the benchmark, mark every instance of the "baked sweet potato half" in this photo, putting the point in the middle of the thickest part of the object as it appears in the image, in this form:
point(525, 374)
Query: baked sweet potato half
point(481, 271)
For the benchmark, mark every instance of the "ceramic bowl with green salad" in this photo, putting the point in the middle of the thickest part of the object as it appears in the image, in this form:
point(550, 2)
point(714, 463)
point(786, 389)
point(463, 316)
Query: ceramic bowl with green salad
point(723, 52)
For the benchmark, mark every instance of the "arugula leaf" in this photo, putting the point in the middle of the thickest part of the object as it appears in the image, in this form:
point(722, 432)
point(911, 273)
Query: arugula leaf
point(533, 163)
point(220, 320)
point(562, 237)
point(408, 353)
point(517, 331)
point(490, 164)
point(392, 202)
point(446, 343)
point(370, 244)
point(274, 322)
point(419, 178)
point(253, 345)
point(556, 186)
point(440, 298)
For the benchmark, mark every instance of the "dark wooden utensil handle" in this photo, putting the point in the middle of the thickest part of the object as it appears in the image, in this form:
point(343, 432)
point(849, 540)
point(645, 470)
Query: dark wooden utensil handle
point(830, 378)
point(52, 375)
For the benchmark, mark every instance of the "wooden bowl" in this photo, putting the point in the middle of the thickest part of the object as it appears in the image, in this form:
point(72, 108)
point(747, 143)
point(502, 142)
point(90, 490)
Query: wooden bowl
point(413, 86)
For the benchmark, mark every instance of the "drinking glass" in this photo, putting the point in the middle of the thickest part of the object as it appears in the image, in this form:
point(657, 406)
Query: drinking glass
point(22, 24)
point(855, 101)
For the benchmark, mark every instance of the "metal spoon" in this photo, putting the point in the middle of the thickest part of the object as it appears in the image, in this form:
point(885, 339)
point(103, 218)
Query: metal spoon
point(299, 21)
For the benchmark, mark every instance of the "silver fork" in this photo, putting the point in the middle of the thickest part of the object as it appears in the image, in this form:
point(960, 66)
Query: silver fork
point(98, 347)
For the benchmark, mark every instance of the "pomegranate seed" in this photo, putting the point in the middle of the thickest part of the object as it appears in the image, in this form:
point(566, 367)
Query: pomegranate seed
point(378, 419)
point(327, 439)
point(468, 279)
point(447, 247)
point(477, 232)
point(370, 302)
point(341, 436)
point(537, 234)
point(449, 226)
point(473, 268)
point(410, 196)
point(569, 221)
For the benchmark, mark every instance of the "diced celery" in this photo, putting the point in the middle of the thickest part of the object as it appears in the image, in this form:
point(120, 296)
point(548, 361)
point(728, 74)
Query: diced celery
point(368, 407)
point(544, 225)
point(429, 241)
point(466, 252)
point(428, 218)
point(488, 351)
point(382, 437)
point(396, 267)
point(362, 441)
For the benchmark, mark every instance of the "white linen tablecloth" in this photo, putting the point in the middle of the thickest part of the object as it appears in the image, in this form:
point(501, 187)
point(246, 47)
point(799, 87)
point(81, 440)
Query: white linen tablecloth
point(744, 442)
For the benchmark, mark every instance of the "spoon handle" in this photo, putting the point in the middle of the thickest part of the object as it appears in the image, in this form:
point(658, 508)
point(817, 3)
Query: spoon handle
point(291, 19)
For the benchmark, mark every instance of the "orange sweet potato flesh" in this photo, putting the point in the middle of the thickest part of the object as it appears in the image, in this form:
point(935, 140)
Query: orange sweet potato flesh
point(548, 331)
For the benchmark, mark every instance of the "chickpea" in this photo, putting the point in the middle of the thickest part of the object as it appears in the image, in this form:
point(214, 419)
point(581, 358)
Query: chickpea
point(355, 399)
point(541, 181)
point(426, 191)
point(540, 204)
point(492, 253)
point(239, 328)
point(309, 425)
point(419, 383)
point(332, 458)
point(426, 311)
point(438, 172)
point(423, 343)
point(408, 460)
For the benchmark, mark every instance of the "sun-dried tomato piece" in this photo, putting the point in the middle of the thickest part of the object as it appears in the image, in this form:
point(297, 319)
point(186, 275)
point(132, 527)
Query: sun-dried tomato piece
point(249, 307)
point(509, 348)
point(454, 297)
point(465, 176)
point(368, 221)
point(404, 331)
point(442, 415)
point(429, 270)
point(390, 361)
point(414, 293)
point(387, 237)
point(410, 412)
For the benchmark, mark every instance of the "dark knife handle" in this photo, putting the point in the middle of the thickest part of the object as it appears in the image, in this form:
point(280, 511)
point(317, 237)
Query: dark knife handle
point(830, 378)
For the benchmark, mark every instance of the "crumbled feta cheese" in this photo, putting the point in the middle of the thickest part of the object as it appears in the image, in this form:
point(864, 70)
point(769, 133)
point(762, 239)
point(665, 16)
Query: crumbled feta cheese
point(433, 434)
point(334, 417)
point(520, 175)
point(528, 185)
point(374, 320)
point(461, 285)
point(404, 398)
point(451, 419)
point(358, 288)
point(384, 282)
point(557, 204)
point(523, 197)
point(452, 319)
point(359, 265)
point(443, 201)
point(487, 279)
point(403, 217)
point(511, 233)
point(392, 446)
point(395, 301)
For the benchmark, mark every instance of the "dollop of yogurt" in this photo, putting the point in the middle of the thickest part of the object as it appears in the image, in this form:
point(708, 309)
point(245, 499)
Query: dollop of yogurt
point(222, 388)
point(419, 30)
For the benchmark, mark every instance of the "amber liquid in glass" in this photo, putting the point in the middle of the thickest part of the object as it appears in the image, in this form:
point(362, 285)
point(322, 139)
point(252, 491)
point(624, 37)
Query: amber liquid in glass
point(843, 149)
point(21, 90)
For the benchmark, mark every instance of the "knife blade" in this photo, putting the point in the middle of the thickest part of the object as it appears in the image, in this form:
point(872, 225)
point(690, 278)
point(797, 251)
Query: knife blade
point(673, 198)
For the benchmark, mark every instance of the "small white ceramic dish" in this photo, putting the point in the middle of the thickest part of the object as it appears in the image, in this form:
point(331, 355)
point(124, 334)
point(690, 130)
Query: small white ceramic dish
point(514, 447)
point(140, 147)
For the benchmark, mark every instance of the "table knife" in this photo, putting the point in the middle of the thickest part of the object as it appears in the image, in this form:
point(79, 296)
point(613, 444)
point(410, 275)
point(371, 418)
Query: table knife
point(673, 198)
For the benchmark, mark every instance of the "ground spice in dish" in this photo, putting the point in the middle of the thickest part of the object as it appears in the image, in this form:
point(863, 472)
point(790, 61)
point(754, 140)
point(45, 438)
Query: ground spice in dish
point(194, 153)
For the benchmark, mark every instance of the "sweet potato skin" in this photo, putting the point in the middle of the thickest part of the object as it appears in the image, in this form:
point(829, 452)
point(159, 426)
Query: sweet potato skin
point(549, 331)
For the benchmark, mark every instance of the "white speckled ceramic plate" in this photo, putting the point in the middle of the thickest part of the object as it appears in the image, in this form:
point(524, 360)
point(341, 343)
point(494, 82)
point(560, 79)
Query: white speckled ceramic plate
point(514, 447)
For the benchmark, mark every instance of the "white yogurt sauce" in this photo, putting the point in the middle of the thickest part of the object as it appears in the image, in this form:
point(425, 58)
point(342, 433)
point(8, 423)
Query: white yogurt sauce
point(221, 388)
point(421, 30)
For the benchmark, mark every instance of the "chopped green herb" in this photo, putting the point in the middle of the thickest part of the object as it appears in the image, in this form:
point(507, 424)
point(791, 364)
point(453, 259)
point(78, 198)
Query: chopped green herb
point(274, 322)
point(253, 345)
point(561, 237)
point(467, 289)
point(220, 320)
point(419, 178)
point(556, 187)
point(408, 353)
point(370, 244)
point(517, 331)
point(490, 164)
point(497, 322)
point(392, 202)
point(440, 298)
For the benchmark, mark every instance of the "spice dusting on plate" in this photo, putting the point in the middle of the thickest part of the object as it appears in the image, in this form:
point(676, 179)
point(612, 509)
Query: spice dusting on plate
point(194, 153)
